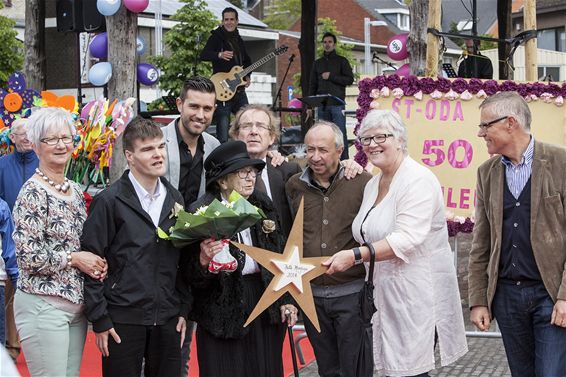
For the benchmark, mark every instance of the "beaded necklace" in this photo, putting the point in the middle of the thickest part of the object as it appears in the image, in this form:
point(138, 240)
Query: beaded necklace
point(59, 187)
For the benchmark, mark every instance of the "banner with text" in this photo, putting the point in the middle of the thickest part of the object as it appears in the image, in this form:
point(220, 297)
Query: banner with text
point(443, 137)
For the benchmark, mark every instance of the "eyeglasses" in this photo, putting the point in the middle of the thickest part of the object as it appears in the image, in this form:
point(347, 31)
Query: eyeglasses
point(67, 139)
point(23, 134)
point(248, 126)
point(377, 139)
point(243, 174)
point(484, 126)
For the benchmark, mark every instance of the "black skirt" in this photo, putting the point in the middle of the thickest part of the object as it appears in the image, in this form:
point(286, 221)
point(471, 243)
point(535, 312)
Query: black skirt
point(256, 354)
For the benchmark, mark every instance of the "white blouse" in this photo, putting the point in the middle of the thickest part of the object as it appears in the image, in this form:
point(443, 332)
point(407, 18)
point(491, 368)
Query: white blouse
point(417, 291)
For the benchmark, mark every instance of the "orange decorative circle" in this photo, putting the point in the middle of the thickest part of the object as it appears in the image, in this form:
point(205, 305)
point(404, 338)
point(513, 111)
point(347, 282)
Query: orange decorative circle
point(13, 102)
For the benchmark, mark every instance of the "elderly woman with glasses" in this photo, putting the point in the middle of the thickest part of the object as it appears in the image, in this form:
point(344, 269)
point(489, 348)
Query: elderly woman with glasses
point(222, 302)
point(402, 218)
point(49, 214)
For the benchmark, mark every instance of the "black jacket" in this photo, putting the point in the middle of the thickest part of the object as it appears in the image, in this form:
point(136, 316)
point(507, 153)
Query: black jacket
point(216, 44)
point(340, 75)
point(142, 287)
point(218, 298)
point(485, 68)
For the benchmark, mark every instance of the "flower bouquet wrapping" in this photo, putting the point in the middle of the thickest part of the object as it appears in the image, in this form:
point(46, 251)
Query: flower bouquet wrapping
point(218, 220)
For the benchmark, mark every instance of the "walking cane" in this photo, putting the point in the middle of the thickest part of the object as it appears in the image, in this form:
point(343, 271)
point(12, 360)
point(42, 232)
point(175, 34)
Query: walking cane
point(292, 342)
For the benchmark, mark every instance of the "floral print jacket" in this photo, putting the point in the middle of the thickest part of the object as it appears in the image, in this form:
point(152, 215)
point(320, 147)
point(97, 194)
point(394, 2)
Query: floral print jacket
point(47, 226)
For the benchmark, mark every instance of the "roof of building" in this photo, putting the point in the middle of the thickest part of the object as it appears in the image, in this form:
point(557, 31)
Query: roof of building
point(373, 5)
point(550, 3)
point(169, 7)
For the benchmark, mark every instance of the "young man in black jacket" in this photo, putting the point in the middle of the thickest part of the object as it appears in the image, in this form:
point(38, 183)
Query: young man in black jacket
point(331, 73)
point(139, 312)
point(225, 49)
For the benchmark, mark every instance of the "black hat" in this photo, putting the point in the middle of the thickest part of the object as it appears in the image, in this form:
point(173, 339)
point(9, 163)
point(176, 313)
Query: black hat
point(228, 158)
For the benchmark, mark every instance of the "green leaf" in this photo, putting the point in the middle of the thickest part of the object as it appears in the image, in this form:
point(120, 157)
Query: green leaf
point(161, 234)
point(218, 221)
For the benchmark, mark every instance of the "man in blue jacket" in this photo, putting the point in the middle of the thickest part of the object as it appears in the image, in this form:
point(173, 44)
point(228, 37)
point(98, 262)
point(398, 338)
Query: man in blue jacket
point(16, 168)
point(8, 265)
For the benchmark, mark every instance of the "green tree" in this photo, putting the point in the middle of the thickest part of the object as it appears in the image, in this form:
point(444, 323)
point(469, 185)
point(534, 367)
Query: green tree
point(185, 41)
point(282, 14)
point(327, 25)
point(11, 50)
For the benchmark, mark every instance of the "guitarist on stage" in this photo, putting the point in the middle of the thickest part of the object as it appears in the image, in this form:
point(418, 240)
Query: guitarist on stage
point(225, 49)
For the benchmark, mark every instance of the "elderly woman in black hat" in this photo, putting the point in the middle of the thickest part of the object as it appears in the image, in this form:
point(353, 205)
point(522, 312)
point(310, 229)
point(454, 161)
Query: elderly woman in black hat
point(222, 302)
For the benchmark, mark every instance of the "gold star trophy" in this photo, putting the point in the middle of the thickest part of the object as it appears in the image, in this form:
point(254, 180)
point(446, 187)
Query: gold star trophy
point(292, 273)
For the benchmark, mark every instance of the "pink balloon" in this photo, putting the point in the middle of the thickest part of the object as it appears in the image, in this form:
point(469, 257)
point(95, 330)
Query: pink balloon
point(404, 70)
point(397, 47)
point(136, 6)
point(295, 103)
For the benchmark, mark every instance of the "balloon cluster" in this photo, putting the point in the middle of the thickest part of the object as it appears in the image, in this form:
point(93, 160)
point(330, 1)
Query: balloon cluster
point(397, 50)
point(110, 7)
point(100, 73)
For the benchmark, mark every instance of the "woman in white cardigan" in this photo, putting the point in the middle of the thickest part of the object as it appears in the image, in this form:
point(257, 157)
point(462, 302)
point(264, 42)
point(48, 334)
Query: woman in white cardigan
point(402, 216)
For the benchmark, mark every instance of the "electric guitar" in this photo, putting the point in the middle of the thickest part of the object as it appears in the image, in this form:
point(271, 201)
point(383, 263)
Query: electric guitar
point(226, 83)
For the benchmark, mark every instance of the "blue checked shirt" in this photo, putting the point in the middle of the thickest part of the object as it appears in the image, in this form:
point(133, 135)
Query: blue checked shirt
point(518, 175)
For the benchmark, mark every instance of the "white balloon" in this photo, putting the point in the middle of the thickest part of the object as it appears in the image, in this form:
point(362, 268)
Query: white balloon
point(100, 73)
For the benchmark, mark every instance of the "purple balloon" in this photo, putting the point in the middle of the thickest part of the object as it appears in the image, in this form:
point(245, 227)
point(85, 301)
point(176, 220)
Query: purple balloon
point(99, 46)
point(147, 74)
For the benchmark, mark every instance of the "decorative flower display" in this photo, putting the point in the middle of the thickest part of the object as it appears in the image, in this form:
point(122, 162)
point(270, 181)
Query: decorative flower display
point(458, 224)
point(15, 101)
point(371, 89)
point(102, 123)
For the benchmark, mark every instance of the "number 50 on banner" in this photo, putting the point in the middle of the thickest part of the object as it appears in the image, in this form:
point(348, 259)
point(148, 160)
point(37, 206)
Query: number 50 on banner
point(435, 149)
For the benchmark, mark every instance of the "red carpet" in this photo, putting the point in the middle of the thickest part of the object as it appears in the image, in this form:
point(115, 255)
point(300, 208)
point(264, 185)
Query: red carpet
point(91, 365)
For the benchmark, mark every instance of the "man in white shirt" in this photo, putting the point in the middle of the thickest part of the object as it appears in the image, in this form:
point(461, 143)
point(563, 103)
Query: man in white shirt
point(139, 312)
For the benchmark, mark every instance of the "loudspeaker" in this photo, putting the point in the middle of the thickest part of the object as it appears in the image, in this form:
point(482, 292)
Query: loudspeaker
point(78, 16)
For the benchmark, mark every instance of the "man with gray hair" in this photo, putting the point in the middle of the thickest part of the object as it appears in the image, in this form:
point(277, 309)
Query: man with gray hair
point(331, 204)
point(518, 253)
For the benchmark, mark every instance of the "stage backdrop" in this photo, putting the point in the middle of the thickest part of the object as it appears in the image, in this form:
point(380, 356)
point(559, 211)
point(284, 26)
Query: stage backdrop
point(443, 131)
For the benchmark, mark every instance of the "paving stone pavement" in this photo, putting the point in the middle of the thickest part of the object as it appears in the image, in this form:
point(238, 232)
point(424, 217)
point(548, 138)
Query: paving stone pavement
point(485, 358)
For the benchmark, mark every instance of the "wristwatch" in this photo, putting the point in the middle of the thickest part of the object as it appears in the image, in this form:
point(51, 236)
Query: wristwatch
point(357, 256)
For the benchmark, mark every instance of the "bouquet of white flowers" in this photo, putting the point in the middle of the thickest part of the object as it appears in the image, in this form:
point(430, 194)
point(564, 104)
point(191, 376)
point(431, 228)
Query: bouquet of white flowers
point(218, 220)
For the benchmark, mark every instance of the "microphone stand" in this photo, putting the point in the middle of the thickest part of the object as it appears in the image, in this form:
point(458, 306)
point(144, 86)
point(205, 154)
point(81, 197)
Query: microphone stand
point(376, 57)
point(278, 96)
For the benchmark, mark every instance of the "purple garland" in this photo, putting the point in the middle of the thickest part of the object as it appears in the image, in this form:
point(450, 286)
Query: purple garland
point(412, 84)
point(455, 227)
point(427, 85)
